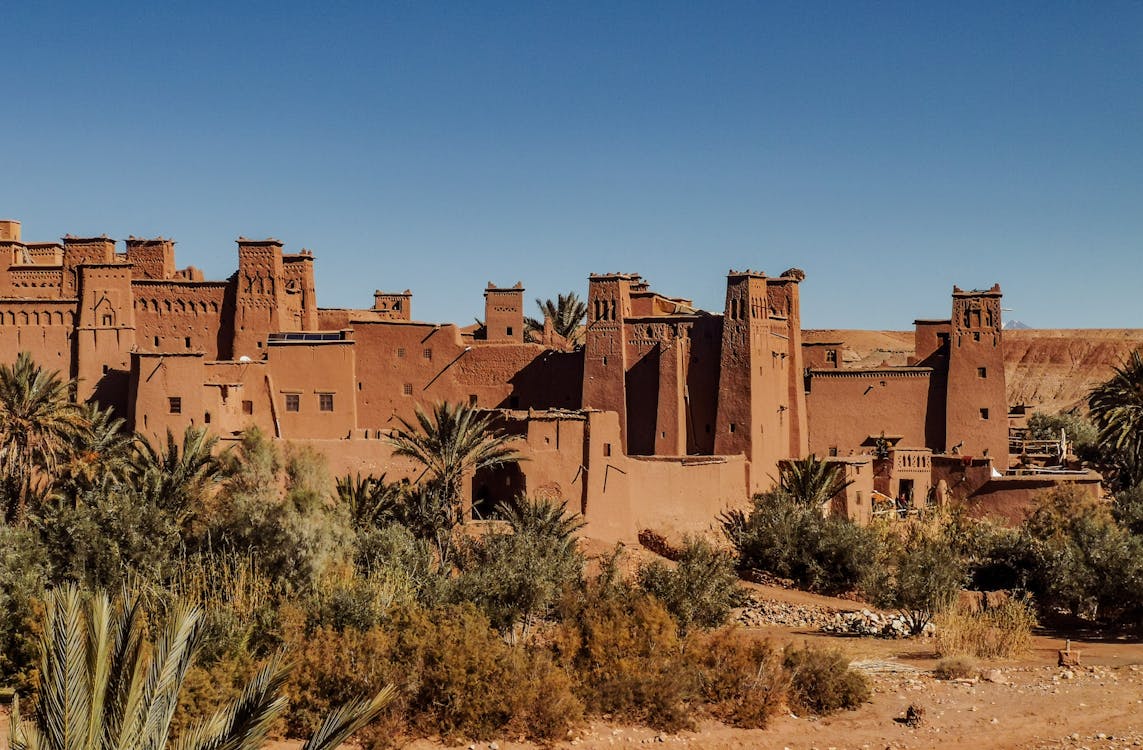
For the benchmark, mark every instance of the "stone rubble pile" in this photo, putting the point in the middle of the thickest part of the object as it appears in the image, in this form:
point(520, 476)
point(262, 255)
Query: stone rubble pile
point(763, 612)
point(867, 622)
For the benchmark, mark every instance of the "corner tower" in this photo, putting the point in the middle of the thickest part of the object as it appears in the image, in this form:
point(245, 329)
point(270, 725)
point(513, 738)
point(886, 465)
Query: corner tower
point(605, 355)
point(745, 384)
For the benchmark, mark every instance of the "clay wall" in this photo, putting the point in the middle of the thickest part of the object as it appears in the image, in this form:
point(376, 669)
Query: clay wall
point(151, 259)
point(848, 407)
point(931, 340)
point(1011, 499)
point(605, 351)
point(504, 313)
point(79, 251)
point(42, 328)
point(405, 365)
point(976, 411)
point(9, 230)
point(166, 393)
point(314, 387)
point(299, 311)
point(34, 282)
point(393, 305)
point(237, 396)
point(258, 296)
point(822, 355)
point(182, 316)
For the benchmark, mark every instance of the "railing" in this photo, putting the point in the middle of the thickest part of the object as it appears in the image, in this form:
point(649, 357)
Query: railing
point(308, 336)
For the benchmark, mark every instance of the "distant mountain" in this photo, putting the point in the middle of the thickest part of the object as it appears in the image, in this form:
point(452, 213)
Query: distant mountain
point(1016, 325)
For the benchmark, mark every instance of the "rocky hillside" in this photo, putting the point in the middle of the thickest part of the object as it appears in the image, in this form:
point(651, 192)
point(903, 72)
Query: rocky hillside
point(1047, 369)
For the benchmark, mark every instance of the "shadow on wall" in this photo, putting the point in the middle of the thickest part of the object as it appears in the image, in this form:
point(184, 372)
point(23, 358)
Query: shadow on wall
point(496, 485)
point(553, 380)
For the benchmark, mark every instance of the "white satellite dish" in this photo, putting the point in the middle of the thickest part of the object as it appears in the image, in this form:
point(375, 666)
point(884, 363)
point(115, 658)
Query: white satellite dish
point(244, 358)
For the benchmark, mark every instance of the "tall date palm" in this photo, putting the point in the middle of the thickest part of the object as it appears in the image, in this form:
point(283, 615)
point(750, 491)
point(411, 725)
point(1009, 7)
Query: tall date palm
point(39, 421)
point(450, 441)
point(102, 687)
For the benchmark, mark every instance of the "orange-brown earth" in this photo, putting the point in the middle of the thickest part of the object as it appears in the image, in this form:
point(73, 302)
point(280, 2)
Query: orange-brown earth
point(1047, 369)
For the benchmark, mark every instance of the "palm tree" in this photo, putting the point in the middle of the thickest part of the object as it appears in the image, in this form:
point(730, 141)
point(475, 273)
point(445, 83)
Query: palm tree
point(1117, 410)
point(177, 475)
point(371, 501)
point(103, 451)
point(38, 422)
point(567, 315)
point(103, 688)
point(544, 518)
point(812, 481)
point(451, 441)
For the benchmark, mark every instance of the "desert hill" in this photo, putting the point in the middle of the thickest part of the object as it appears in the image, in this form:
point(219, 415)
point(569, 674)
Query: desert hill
point(1047, 369)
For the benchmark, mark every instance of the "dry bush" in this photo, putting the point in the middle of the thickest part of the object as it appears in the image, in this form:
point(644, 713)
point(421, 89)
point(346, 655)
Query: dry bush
point(821, 681)
point(624, 651)
point(455, 676)
point(739, 677)
point(999, 632)
point(955, 668)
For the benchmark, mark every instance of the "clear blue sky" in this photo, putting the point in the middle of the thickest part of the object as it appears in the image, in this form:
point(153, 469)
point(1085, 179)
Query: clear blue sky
point(889, 149)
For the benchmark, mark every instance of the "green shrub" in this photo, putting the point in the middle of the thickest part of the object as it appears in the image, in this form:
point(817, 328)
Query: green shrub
point(700, 590)
point(1081, 559)
point(793, 540)
point(23, 575)
point(514, 576)
point(821, 681)
point(283, 513)
point(955, 668)
point(924, 576)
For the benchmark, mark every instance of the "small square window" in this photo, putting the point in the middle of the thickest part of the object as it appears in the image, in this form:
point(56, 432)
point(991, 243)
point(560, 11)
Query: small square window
point(293, 402)
point(472, 399)
point(106, 368)
point(401, 352)
point(325, 402)
point(107, 320)
point(407, 389)
point(982, 372)
point(175, 405)
point(976, 335)
point(509, 330)
point(831, 355)
point(427, 353)
point(247, 407)
point(984, 413)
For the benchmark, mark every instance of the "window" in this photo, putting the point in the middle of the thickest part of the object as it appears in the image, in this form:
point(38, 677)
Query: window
point(976, 335)
point(472, 399)
point(401, 352)
point(427, 353)
point(325, 402)
point(247, 407)
point(982, 372)
point(106, 368)
point(206, 418)
point(984, 413)
point(156, 341)
point(509, 330)
point(733, 427)
point(293, 402)
point(833, 450)
point(607, 449)
point(407, 389)
point(831, 355)
point(175, 405)
point(188, 340)
point(605, 360)
point(107, 320)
